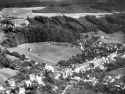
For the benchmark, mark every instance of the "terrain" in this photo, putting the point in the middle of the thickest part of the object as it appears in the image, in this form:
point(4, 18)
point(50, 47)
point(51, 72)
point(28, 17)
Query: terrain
point(100, 66)
point(80, 53)
point(6, 73)
point(50, 53)
point(70, 6)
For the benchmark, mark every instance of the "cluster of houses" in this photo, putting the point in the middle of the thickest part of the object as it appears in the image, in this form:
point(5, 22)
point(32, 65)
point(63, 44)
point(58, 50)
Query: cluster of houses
point(114, 80)
point(11, 22)
point(97, 63)
point(74, 74)
point(89, 65)
point(37, 79)
point(13, 86)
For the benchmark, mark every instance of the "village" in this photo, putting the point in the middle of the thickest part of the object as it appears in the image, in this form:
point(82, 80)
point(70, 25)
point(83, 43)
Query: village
point(36, 76)
point(62, 53)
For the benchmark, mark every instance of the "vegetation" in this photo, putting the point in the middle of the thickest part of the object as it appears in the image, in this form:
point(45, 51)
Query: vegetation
point(97, 70)
point(62, 29)
point(56, 29)
point(93, 49)
point(93, 70)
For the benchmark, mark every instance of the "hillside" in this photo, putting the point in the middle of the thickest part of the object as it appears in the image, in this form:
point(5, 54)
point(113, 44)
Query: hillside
point(65, 29)
point(64, 55)
point(100, 66)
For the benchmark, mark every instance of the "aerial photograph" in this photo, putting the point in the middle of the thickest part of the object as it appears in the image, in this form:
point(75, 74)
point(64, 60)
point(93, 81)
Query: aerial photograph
point(62, 46)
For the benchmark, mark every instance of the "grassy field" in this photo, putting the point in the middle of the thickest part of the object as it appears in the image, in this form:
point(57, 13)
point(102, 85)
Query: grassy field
point(47, 52)
point(6, 73)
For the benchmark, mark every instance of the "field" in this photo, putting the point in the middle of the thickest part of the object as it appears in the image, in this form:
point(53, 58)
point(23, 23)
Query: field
point(6, 73)
point(48, 52)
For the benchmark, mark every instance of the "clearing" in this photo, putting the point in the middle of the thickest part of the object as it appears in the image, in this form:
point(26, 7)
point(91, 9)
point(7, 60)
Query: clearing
point(47, 52)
